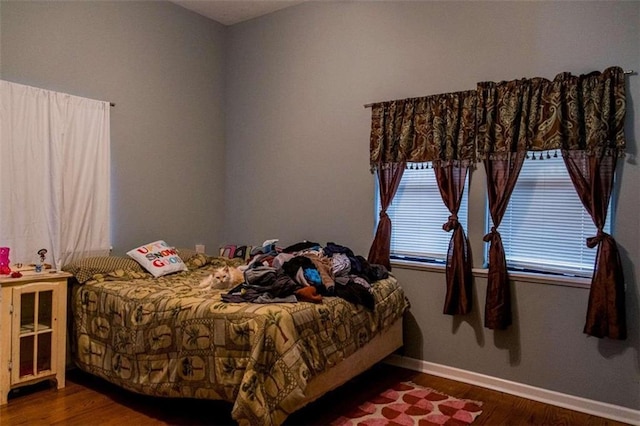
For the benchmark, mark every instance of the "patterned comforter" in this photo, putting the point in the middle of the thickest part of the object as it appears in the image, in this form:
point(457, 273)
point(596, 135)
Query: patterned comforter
point(167, 337)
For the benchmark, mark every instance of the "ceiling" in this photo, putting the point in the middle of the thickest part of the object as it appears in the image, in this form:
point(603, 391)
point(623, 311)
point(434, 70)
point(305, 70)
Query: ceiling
point(229, 12)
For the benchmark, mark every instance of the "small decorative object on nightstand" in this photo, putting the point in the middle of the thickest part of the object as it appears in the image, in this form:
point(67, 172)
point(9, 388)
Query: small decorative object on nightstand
point(42, 255)
point(4, 261)
point(33, 330)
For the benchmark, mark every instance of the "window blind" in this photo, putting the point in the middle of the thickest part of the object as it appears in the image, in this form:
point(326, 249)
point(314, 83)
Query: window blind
point(545, 225)
point(417, 214)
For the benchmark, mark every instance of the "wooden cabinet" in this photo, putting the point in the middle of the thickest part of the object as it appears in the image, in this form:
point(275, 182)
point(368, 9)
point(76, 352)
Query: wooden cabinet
point(33, 329)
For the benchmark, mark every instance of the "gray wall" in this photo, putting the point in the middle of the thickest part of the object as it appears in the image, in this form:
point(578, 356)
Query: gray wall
point(295, 150)
point(162, 66)
point(297, 147)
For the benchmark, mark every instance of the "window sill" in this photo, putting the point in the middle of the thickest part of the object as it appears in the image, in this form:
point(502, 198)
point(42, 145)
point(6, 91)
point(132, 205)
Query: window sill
point(530, 277)
point(418, 266)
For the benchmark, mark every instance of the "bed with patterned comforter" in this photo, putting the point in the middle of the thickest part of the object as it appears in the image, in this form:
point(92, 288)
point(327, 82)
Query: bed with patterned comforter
point(168, 337)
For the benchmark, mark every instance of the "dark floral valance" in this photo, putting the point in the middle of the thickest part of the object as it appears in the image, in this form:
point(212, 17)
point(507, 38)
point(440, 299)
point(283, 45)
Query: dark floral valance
point(571, 112)
point(438, 129)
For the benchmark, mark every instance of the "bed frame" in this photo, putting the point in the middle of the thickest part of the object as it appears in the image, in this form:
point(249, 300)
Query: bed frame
point(378, 348)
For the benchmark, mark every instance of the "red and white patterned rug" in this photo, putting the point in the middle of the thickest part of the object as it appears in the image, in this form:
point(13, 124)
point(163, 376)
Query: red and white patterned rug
point(407, 403)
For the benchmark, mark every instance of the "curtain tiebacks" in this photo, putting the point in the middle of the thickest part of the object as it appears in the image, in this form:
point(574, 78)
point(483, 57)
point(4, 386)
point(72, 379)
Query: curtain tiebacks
point(452, 223)
point(594, 241)
point(491, 235)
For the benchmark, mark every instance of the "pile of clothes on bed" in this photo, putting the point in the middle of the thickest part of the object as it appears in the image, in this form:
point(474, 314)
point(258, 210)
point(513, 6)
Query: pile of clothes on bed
point(306, 271)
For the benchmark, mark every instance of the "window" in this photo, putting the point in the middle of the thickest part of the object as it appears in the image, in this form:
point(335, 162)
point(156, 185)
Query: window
point(54, 174)
point(417, 214)
point(545, 226)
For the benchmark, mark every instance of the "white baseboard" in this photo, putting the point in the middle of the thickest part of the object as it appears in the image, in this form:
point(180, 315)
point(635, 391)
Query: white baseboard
point(596, 408)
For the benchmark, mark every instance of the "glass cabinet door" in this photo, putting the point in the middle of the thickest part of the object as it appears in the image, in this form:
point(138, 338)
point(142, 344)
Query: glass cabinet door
point(33, 354)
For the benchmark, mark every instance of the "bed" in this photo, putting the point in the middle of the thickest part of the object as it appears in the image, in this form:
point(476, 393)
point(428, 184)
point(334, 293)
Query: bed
point(168, 337)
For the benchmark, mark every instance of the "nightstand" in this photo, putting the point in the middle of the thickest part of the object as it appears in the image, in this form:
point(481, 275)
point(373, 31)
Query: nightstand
point(33, 331)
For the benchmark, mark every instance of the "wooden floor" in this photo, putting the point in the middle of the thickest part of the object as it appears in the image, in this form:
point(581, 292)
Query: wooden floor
point(90, 401)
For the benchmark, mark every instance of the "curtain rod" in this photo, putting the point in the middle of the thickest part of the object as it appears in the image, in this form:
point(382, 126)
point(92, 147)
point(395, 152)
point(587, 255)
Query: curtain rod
point(627, 72)
point(112, 104)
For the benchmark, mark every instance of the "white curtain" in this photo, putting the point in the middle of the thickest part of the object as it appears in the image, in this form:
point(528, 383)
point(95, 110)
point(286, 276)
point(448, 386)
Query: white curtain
point(54, 175)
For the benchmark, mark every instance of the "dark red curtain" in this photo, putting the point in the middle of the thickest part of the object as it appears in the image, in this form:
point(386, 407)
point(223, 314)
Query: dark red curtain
point(389, 177)
point(502, 174)
point(503, 115)
point(592, 177)
point(451, 181)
